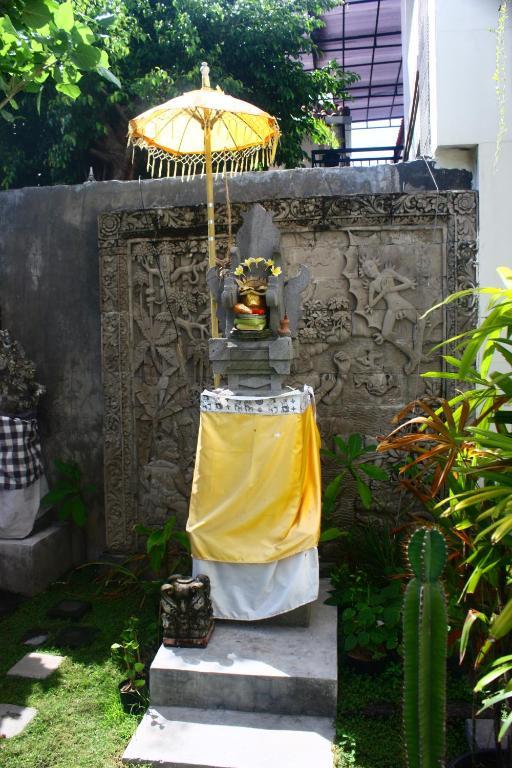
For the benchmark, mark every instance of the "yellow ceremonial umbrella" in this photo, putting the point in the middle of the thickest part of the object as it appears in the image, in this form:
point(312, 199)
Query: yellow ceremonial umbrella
point(205, 131)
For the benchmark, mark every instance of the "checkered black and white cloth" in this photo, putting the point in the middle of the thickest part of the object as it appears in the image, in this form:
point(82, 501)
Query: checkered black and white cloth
point(20, 453)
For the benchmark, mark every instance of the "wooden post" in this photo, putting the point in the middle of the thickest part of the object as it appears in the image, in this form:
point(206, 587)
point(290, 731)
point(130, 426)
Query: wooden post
point(210, 213)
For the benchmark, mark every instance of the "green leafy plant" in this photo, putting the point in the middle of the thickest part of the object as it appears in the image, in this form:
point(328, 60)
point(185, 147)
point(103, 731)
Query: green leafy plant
point(458, 461)
point(425, 640)
point(69, 493)
point(44, 40)
point(369, 614)
point(351, 458)
point(128, 653)
point(159, 544)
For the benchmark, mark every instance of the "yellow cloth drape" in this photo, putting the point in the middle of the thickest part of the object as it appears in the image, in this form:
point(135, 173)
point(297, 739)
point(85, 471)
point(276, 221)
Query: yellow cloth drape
point(256, 493)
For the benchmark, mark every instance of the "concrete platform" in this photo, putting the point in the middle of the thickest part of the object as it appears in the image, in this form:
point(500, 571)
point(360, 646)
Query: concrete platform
point(252, 667)
point(174, 737)
point(28, 566)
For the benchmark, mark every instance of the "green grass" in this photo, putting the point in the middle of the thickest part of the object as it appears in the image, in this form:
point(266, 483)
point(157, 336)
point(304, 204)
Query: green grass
point(80, 722)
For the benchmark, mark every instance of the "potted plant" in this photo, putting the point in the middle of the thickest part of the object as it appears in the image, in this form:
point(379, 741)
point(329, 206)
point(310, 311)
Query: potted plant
point(133, 689)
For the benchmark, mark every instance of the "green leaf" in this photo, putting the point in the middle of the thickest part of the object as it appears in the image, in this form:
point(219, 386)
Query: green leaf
point(332, 490)
point(471, 617)
point(340, 444)
point(7, 116)
point(497, 699)
point(491, 676)
point(138, 666)
point(55, 496)
point(376, 473)
point(64, 17)
point(350, 642)
point(143, 530)
point(354, 444)
point(68, 89)
point(85, 56)
point(9, 33)
point(108, 75)
point(330, 534)
point(36, 14)
point(507, 722)
point(391, 616)
point(68, 469)
point(183, 539)
point(365, 493)
point(139, 683)
point(78, 511)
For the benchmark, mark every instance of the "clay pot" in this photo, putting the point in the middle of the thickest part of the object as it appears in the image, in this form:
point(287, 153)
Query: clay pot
point(133, 700)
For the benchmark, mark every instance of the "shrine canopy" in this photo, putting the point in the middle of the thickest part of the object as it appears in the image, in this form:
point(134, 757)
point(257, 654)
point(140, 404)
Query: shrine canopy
point(364, 36)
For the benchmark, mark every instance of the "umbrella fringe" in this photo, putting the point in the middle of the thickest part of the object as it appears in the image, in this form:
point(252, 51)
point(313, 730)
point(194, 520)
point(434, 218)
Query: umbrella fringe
point(162, 163)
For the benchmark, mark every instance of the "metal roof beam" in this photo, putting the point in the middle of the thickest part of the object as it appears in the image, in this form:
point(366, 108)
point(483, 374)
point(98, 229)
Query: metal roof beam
point(370, 35)
point(374, 63)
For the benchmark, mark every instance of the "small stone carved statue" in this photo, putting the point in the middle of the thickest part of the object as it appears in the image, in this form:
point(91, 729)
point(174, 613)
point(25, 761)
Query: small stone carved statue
point(186, 609)
point(19, 392)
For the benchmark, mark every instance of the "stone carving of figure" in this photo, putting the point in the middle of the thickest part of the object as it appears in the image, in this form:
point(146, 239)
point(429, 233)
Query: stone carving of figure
point(387, 285)
point(187, 616)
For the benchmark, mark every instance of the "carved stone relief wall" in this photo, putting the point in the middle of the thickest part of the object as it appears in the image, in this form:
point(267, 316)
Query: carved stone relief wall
point(378, 262)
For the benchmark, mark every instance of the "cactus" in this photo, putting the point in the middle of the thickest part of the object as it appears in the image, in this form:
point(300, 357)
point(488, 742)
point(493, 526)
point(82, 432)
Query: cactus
point(425, 638)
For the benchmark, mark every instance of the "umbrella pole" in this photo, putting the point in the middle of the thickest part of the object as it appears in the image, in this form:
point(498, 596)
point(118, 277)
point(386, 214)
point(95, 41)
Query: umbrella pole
point(210, 212)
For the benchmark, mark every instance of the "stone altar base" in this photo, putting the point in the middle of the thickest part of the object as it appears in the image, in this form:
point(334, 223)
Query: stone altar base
point(258, 696)
point(28, 566)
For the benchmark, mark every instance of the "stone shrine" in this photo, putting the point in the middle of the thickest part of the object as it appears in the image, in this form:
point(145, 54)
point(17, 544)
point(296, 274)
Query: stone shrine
point(254, 517)
point(256, 366)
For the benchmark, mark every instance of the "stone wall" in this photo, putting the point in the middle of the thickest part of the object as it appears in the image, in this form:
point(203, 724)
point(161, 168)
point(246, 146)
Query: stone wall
point(336, 221)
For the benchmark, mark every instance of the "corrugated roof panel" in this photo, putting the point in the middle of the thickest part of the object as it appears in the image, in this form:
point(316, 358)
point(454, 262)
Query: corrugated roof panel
point(364, 36)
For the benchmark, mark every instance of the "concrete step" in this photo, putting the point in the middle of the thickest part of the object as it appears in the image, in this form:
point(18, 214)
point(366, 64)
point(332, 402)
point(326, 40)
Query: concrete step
point(177, 737)
point(254, 667)
point(28, 566)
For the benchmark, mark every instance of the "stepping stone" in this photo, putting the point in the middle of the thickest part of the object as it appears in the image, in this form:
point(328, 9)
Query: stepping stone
point(35, 637)
point(69, 609)
point(76, 637)
point(37, 666)
point(14, 719)
point(9, 601)
point(202, 738)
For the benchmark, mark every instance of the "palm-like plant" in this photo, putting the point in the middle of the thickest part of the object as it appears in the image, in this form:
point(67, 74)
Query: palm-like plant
point(458, 462)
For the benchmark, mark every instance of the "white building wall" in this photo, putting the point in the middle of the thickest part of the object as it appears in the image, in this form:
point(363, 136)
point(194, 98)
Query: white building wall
point(463, 110)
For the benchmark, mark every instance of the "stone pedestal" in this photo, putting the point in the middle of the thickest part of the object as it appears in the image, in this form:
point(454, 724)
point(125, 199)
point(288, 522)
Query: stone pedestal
point(252, 367)
point(259, 695)
point(28, 566)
